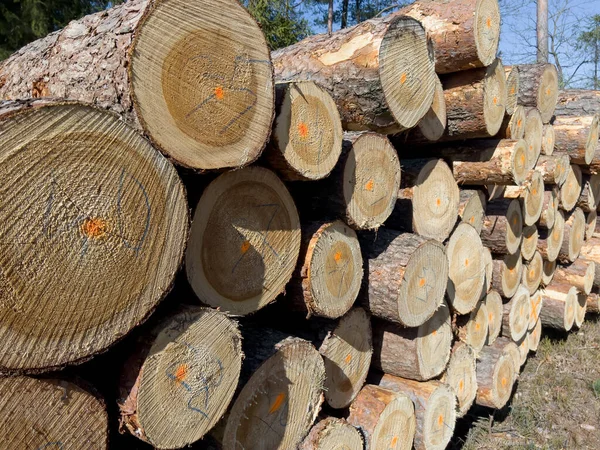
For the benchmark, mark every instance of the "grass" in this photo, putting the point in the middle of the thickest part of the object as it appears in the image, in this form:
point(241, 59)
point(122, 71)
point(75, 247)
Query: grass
point(556, 402)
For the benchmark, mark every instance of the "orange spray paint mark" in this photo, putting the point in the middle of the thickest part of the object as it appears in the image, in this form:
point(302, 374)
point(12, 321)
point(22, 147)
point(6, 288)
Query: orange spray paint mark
point(461, 385)
point(370, 185)
point(181, 373)
point(519, 122)
point(94, 227)
point(495, 100)
point(337, 256)
point(472, 219)
point(441, 420)
point(490, 317)
point(434, 332)
point(348, 358)
point(477, 326)
point(245, 247)
point(422, 282)
point(466, 262)
point(438, 201)
point(531, 273)
point(548, 91)
point(219, 93)
point(394, 441)
point(514, 221)
point(512, 91)
point(277, 403)
point(302, 129)
point(488, 22)
point(522, 159)
point(504, 382)
point(403, 78)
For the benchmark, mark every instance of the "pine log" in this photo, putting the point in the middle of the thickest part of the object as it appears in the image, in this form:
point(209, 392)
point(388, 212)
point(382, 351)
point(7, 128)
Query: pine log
point(495, 377)
point(549, 209)
point(591, 220)
point(281, 399)
point(576, 137)
point(50, 414)
point(579, 273)
point(307, 133)
point(550, 241)
point(464, 33)
point(435, 410)
point(577, 102)
point(466, 269)
point(418, 353)
point(429, 187)
point(536, 302)
point(461, 376)
point(510, 349)
point(573, 236)
point(385, 418)
point(589, 198)
point(471, 207)
point(580, 310)
point(530, 195)
point(493, 304)
point(535, 336)
point(433, 124)
point(329, 271)
point(213, 66)
point(590, 251)
point(405, 276)
point(503, 226)
point(548, 139)
point(515, 320)
point(507, 274)
point(379, 72)
point(192, 360)
point(332, 432)
point(559, 306)
point(554, 168)
point(472, 328)
point(532, 273)
point(244, 241)
point(548, 272)
point(523, 345)
point(533, 135)
point(512, 88)
point(529, 244)
point(475, 102)
point(593, 303)
point(538, 86)
point(513, 125)
point(571, 189)
point(97, 242)
point(488, 262)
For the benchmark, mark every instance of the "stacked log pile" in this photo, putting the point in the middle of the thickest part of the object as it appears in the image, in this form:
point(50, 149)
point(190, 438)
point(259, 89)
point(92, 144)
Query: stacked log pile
point(405, 217)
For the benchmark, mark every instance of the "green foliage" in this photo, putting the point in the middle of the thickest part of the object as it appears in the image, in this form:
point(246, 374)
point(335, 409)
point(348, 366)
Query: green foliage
point(596, 388)
point(589, 41)
point(279, 20)
point(356, 11)
point(23, 21)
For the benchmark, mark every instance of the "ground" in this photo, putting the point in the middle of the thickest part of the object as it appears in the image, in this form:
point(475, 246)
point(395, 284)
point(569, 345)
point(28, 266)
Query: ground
point(555, 405)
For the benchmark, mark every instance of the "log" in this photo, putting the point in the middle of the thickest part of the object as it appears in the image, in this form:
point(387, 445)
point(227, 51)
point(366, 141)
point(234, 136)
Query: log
point(508, 347)
point(385, 418)
point(489, 270)
point(98, 241)
point(549, 209)
point(475, 102)
point(332, 432)
point(538, 86)
point(580, 310)
point(589, 198)
point(548, 272)
point(512, 88)
point(495, 377)
point(571, 189)
point(590, 251)
point(594, 167)
point(573, 236)
point(530, 195)
point(513, 125)
point(554, 168)
point(418, 353)
point(591, 219)
point(472, 328)
point(435, 410)
point(493, 304)
point(536, 303)
point(433, 124)
point(503, 226)
point(532, 273)
point(192, 360)
point(51, 414)
point(529, 244)
point(466, 269)
point(307, 133)
point(533, 135)
point(548, 139)
point(281, 399)
point(507, 274)
point(405, 276)
point(577, 102)
point(559, 306)
point(461, 376)
point(361, 190)
point(576, 137)
point(551, 240)
point(244, 241)
point(168, 85)
point(471, 208)
point(534, 337)
point(464, 33)
point(379, 72)
point(515, 319)
point(429, 186)
point(593, 303)
point(329, 273)
point(580, 273)
point(523, 345)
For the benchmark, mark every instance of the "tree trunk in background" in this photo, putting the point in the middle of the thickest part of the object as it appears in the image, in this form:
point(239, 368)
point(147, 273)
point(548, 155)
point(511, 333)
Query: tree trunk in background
point(330, 18)
point(542, 31)
point(344, 14)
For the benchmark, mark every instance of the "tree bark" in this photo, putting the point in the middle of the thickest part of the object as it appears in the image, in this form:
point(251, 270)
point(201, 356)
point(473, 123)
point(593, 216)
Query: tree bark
point(580, 273)
point(503, 226)
point(472, 328)
point(559, 306)
point(538, 86)
point(590, 251)
point(577, 137)
point(329, 432)
point(554, 168)
point(577, 102)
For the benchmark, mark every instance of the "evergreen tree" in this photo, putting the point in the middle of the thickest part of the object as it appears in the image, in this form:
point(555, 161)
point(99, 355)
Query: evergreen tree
point(590, 42)
point(279, 20)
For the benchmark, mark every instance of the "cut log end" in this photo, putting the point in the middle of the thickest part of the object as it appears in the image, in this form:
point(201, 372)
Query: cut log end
point(535, 336)
point(549, 209)
point(533, 135)
point(591, 219)
point(529, 244)
point(472, 208)
point(466, 268)
point(559, 306)
point(580, 274)
point(461, 376)
point(550, 244)
point(496, 374)
point(494, 86)
point(574, 236)
point(516, 315)
point(332, 433)
point(57, 413)
point(244, 241)
point(514, 231)
point(177, 82)
point(102, 228)
point(285, 391)
point(434, 340)
point(488, 262)
point(548, 272)
point(589, 198)
point(512, 89)
point(493, 304)
point(487, 30)
point(548, 139)
point(547, 94)
point(307, 135)
point(580, 310)
point(536, 303)
point(513, 126)
point(472, 329)
point(576, 137)
point(347, 354)
point(532, 273)
point(533, 198)
point(507, 274)
point(433, 124)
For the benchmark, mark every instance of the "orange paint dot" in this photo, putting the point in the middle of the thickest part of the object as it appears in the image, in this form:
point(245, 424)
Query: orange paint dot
point(472, 219)
point(181, 373)
point(337, 256)
point(512, 92)
point(534, 191)
point(490, 317)
point(519, 122)
point(441, 420)
point(514, 221)
point(277, 403)
point(504, 382)
point(219, 93)
point(403, 78)
point(461, 385)
point(348, 358)
point(422, 282)
point(522, 159)
point(245, 247)
point(94, 227)
point(394, 441)
point(495, 100)
point(548, 91)
point(434, 332)
point(488, 22)
point(530, 147)
point(477, 326)
point(466, 262)
point(512, 270)
point(370, 185)
point(531, 273)
point(438, 201)
point(302, 129)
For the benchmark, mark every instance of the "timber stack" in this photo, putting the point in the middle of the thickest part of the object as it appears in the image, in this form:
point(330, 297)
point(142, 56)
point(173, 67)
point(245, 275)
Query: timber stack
point(382, 222)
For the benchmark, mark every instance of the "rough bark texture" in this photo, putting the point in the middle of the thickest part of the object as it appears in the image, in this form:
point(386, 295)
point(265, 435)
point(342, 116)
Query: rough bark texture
point(590, 194)
point(559, 306)
point(554, 168)
point(578, 102)
point(579, 273)
point(513, 125)
point(472, 329)
point(538, 86)
point(576, 137)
